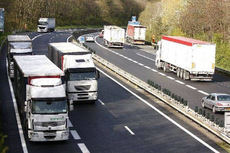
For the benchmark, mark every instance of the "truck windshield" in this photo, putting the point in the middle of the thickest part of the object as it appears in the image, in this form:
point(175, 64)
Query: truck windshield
point(42, 23)
point(21, 45)
point(49, 107)
point(88, 74)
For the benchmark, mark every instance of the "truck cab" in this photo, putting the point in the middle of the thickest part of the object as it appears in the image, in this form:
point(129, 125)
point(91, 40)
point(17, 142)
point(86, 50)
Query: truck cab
point(46, 25)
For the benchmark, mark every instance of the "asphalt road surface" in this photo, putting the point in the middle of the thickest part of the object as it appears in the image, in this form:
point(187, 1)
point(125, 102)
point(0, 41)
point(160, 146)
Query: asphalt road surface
point(121, 121)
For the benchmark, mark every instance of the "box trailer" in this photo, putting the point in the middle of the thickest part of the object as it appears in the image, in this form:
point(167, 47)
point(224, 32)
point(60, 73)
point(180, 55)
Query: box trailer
point(80, 71)
point(40, 93)
point(135, 34)
point(46, 25)
point(114, 36)
point(188, 58)
point(17, 45)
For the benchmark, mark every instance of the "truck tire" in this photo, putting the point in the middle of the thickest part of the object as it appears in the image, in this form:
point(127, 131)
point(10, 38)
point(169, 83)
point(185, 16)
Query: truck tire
point(165, 67)
point(181, 73)
point(214, 109)
point(186, 75)
point(178, 72)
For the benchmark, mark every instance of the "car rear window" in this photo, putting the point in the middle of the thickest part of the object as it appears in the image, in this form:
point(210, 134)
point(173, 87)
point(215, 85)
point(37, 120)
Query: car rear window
point(223, 98)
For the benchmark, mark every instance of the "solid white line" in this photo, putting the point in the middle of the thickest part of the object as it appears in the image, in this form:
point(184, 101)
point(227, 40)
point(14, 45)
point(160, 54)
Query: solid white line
point(154, 70)
point(140, 64)
point(205, 93)
point(69, 124)
point(130, 131)
point(39, 36)
point(171, 78)
point(20, 130)
point(101, 102)
point(147, 67)
point(191, 87)
point(180, 82)
point(83, 148)
point(75, 134)
point(161, 113)
point(145, 57)
point(162, 74)
point(134, 61)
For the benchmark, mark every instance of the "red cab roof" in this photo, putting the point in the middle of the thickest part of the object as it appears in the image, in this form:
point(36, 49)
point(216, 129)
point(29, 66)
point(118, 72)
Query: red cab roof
point(184, 41)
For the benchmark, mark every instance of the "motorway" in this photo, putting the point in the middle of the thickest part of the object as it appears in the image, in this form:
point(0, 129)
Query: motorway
point(140, 63)
point(121, 121)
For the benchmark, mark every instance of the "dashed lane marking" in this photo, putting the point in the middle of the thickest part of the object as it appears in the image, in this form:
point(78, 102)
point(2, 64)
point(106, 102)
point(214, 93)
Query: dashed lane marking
point(145, 57)
point(130, 131)
point(171, 78)
point(162, 74)
point(191, 87)
point(101, 102)
point(180, 82)
point(83, 148)
point(205, 93)
point(75, 134)
point(69, 124)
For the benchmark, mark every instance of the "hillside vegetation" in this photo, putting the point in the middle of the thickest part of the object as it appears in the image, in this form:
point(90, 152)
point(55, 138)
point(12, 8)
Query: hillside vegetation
point(206, 20)
point(24, 14)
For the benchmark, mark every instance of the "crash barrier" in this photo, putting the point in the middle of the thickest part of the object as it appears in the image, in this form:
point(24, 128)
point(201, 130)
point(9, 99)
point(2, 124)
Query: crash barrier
point(202, 118)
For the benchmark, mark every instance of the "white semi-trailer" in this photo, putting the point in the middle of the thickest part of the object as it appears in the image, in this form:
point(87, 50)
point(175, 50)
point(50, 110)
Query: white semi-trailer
point(17, 45)
point(80, 71)
point(46, 24)
point(188, 58)
point(114, 36)
point(41, 98)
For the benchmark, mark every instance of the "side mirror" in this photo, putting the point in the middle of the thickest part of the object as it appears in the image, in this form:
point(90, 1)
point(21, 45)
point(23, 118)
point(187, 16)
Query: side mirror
point(97, 74)
point(70, 105)
point(25, 106)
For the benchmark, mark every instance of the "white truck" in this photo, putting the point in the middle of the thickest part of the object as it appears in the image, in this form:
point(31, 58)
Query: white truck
point(135, 32)
point(114, 36)
point(80, 71)
point(40, 93)
point(17, 45)
point(190, 59)
point(46, 24)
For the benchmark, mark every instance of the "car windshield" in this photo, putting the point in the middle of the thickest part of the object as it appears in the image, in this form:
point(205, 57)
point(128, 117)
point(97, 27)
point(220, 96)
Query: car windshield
point(82, 75)
point(21, 45)
point(223, 98)
point(49, 107)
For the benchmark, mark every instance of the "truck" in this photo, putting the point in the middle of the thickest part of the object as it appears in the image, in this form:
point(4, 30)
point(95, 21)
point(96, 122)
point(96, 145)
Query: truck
point(135, 33)
point(41, 98)
point(17, 45)
point(46, 25)
point(79, 68)
point(189, 58)
point(114, 36)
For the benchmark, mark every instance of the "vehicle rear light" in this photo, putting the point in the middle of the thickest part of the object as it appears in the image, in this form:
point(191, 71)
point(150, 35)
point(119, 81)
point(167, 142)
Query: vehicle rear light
point(219, 104)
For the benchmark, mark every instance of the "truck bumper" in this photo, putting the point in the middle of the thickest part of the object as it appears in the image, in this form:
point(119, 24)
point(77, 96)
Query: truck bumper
point(201, 77)
point(48, 136)
point(42, 30)
point(86, 96)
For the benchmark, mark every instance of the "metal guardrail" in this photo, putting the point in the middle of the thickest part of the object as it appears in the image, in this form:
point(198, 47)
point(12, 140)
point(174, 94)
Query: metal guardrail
point(220, 132)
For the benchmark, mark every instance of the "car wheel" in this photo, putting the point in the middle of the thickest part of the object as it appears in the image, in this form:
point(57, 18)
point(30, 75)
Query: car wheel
point(214, 109)
point(202, 104)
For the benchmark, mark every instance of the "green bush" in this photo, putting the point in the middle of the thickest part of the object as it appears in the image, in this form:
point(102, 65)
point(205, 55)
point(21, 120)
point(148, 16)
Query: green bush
point(3, 149)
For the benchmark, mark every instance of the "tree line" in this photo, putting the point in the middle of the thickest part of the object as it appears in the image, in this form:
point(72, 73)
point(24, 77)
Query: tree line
point(24, 14)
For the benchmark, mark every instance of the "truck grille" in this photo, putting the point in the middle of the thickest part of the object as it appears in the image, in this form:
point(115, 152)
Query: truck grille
point(47, 124)
point(87, 87)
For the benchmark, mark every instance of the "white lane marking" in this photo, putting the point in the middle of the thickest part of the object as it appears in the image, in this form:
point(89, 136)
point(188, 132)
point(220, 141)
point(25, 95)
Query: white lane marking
point(145, 57)
point(180, 82)
point(171, 78)
point(205, 93)
point(147, 67)
point(130, 131)
point(162, 74)
point(134, 61)
point(20, 130)
point(75, 134)
point(101, 102)
point(69, 124)
point(154, 70)
point(39, 36)
point(83, 148)
point(191, 87)
point(140, 64)
point(68, 38)
point(162, 114)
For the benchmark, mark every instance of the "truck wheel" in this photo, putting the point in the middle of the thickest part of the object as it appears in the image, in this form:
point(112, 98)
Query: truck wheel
point(178, 72)
point(214, 109)
point(165, 68)
point(186, 75)
point(202, 104)
point(158, 65)
point(181, 73)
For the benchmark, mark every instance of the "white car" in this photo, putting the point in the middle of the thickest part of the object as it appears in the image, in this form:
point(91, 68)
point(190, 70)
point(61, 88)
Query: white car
point(216, 102)
point(89, 38)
